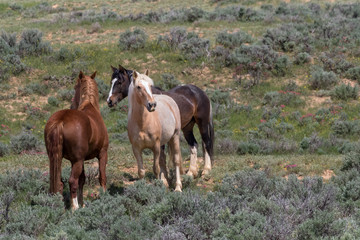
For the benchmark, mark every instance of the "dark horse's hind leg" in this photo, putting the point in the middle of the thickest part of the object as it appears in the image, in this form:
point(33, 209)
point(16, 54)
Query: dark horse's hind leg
point(206, 132)
point(76, 171)
point(190, 138)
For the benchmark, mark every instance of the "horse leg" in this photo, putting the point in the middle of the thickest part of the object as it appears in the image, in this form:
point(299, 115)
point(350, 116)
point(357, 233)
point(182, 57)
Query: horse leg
point(174, 145)
point(139, 160)
point(163, 170)
point(206, 144)
point(190, 138)
point(81, 186)
point(103, 157)
point(76, 171)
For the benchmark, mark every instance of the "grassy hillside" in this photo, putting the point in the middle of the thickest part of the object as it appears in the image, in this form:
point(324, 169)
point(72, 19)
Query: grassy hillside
point(282, 77)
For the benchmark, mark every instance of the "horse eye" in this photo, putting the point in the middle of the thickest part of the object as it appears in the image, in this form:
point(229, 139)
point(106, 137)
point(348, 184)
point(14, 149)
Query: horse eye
point(138, 87)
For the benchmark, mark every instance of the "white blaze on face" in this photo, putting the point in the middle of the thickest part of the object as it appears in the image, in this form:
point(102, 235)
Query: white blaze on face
point(147, 87)
point(111, 89)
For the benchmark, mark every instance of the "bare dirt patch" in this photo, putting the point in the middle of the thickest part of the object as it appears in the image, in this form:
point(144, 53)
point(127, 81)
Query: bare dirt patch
point(315, 102)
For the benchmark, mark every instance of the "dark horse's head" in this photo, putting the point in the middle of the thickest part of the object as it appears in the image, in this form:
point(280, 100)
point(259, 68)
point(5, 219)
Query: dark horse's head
point(119, 86)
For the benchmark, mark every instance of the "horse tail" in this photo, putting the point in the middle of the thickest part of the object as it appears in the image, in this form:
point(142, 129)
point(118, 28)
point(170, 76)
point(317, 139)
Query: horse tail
point(211, 134)
point(54, 147)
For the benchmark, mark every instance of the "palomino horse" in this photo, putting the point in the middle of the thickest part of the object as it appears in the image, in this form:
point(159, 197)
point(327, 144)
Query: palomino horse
point(77, 134)
point(194, 106)
point(153, 121)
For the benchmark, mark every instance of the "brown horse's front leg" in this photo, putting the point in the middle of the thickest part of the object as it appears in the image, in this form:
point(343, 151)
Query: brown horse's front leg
point(103, 157)
point(76, 170)
point(138, 156)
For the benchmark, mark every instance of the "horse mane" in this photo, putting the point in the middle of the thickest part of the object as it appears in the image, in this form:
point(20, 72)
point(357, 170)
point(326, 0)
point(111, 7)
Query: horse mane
point(89, 93)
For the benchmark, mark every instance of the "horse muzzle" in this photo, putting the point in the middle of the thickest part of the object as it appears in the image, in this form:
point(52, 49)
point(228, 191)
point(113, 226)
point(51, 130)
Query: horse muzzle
point(151, 106)
point(110, 103)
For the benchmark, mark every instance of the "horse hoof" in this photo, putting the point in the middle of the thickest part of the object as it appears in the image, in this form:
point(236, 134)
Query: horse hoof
point(189, 173)
point(178, 189)
point(141, 173)
point(205, 172)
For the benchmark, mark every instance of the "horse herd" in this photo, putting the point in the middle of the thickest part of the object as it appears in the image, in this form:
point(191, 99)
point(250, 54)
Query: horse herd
point(155, 118)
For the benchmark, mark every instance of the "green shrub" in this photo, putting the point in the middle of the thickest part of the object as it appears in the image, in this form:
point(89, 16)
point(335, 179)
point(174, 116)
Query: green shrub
point(312, 144)
point(133, 40)
point(34, 88)
point(233, 40)
point(168, 81)
point(219, 97)
point(351, 161)
point(177, 36)
point(31, 43)
point(4, 149)
point(323, 224)
point(346, 127)
point(353, 73)
point(65, 54)
point(66, 94)
point(345, 92)
point(195, 47)
point(335, 62)
point(103, 88)
point(32, 220)
point(53, 101)
point(302, 58)
point(247, 148)
point(226, 145)
point(321, 79)
point(221, 57)
point(287, 37)
point(25, 141)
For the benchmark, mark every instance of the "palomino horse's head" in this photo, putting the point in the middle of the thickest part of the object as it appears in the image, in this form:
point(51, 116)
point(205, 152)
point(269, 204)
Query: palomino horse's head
point(120, 81)
point(77, 97)
point(142, 88)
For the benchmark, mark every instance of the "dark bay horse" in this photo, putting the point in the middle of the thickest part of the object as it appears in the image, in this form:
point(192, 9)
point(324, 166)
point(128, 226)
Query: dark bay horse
point(194, 106)
point(153, 121)
point(77, 134)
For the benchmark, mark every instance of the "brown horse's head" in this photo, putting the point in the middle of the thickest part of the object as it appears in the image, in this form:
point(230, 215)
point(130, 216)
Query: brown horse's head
point(119, 86)
point(142, 87)
point(79, 88)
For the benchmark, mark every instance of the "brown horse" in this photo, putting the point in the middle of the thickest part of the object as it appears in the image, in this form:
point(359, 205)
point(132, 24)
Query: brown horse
point(153, 121)
point(77, 134)
point(194, 106)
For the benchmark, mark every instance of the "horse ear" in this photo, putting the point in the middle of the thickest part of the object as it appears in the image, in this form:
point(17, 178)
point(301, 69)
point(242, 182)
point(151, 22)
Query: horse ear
point(93, 75)
point(81, 75)
point(135, 74)
point(147, 72)
point(113, 68)
point(121, 68)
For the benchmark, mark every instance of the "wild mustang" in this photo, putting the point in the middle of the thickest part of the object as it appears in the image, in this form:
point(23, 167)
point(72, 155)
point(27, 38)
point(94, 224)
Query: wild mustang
point(77, 134)
point(153, 121)
point(194, 106)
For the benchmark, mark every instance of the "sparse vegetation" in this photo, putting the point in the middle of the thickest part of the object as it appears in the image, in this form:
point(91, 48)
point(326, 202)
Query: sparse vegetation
point(282, 79)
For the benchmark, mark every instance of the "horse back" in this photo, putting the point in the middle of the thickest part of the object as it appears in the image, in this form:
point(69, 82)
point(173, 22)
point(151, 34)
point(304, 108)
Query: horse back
point(191, 100)
point(169, 116)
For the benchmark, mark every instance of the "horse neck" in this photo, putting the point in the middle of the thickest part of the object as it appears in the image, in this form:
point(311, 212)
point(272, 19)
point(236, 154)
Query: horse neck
point(89, 95)
point(137, 112)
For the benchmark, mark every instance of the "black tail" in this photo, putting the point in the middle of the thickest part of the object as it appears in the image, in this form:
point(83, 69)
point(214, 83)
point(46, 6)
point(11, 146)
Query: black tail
point(211, 135)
